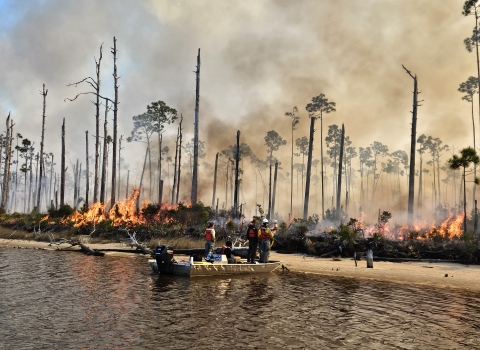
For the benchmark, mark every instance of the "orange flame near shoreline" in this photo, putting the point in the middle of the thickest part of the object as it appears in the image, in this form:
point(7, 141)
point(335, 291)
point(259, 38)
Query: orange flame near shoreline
point(123, 213)
point(451, 228)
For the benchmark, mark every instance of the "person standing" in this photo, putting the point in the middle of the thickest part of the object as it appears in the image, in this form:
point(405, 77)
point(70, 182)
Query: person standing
point(266, 236)
point(209, 238)
point(252, 236)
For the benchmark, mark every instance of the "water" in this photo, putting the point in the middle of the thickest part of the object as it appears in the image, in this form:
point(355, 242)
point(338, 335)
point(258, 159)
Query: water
point(61, 300)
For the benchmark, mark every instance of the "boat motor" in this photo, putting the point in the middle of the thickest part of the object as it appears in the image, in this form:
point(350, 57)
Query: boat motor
point(164, 257)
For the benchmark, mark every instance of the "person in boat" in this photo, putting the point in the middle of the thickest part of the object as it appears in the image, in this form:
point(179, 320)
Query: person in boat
point(209, 238)
point(252, 237)
point(227, 250)
point(266, 237)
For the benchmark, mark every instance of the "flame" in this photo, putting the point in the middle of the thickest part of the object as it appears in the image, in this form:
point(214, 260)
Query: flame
point(121, 214)
point(450, 228)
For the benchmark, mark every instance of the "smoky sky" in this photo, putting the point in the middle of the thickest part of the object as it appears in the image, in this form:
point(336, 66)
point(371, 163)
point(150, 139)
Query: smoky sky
point(258, 60)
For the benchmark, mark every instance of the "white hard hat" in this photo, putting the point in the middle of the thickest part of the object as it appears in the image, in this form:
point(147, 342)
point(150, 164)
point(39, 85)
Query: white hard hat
point(265, 221)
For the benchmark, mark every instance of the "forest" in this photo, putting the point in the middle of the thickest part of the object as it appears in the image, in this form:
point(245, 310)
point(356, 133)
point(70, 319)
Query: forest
point(323, 183)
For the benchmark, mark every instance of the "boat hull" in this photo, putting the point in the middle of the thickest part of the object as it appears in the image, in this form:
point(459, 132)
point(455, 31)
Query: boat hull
point(209, 269)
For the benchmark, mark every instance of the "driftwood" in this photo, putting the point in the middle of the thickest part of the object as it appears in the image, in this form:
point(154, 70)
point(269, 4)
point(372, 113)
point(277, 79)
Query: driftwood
point(83, 247)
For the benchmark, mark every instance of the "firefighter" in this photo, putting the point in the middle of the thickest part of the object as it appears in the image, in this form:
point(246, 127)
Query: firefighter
point(209, 238)
point(266, 236)
point(252, 237)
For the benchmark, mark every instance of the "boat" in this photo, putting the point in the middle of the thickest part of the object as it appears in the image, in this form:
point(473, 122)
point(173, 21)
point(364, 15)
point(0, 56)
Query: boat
point(214, 265)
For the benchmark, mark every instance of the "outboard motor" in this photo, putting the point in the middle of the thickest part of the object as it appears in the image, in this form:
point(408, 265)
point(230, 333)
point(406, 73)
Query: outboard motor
point(164, 260)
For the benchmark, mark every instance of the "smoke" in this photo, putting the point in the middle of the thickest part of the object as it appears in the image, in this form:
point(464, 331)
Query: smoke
point(259, 59)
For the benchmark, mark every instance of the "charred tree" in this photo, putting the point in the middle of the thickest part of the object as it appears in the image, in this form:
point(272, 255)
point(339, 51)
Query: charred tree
point(119, 164)
point(62, 170)
point(215, 181)
point(6, 174)
point(103, 184)
point(141, 178)
point(44, 94)
point(128, 179)
point(339, 183)
point(95, 84)
point(175, 173)
point(195, 138)
point(274, 189)
point(411, 178)
point(115, 121)
point(237, 163)
point(309, 169)
point(179, 158)
point(87, 174)
point(295, 121)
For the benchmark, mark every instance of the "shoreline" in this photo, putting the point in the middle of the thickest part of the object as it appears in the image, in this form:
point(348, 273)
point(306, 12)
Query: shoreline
point(421, 273)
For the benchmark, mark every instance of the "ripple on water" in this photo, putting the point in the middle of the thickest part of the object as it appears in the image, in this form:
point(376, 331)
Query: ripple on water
point(67, 300)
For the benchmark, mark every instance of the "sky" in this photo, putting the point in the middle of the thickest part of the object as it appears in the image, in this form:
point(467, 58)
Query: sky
point(258, 60)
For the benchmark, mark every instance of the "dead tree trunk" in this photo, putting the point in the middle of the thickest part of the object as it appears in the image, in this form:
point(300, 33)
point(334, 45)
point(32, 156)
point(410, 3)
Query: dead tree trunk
point(411, 177)
point(6, 174)
point(44, 94)
point(75, 185)
point(119, 164)
point(50, 194)
point(195, 136)
point(179, 158)
point(237, 162)
point(160, 181)
point(309, 169)
point(97, 128)
point(31, 179)
point(87, 175)
point(274, 189)
point(270, 193)
point(105, 152)
point(115, 121)
point(215, 181)
point(175, 167)
point(62, 170)
point(340, 160)
point(141, 179)
point(128, 179)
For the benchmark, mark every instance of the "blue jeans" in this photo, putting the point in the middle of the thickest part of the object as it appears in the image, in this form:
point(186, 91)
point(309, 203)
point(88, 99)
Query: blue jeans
point(264, 250)
point(208, 247)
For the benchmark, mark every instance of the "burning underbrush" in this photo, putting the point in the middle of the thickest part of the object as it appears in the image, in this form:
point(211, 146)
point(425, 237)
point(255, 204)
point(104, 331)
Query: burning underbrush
point(444, 240)
point(183, 226)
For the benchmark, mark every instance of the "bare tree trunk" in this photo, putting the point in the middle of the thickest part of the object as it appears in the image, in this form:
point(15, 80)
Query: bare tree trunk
point(119, 164)
point(44, 94)
point(31, 180)
point(175, 166)
point(237, 161)
point(270, 192)
point(160, 182)
point(195, 137)
point(274, 189)
point(339, 183)
point(141, 179)
point(105, 152)
point(309, 169)
point(321, 164)
point(62, 170)
point(97, 128)
point(6, 175)
point(128, 179)
point(215, 181)
point(179, 158)
point(50, 194)
point(411, 179)
point(115, 121)
point(75, 185)
point(87, 174)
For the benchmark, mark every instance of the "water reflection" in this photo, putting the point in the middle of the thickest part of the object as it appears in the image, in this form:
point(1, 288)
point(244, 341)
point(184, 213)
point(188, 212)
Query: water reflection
point(67, 300)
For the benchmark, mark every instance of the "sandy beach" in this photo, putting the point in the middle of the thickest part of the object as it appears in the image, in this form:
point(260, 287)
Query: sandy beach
point(423, 273)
